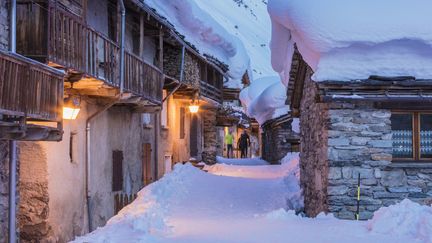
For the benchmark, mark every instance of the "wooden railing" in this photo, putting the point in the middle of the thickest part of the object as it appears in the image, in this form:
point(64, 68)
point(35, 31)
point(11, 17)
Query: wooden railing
point(76, 46)
point(102, 58)
point(142, 78)
point(211, 91)
point(121, 200)
point(29, 89)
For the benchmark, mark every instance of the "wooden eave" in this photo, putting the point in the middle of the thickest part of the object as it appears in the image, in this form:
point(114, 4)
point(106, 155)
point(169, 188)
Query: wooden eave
point(388, 89)
point(296, 83)
point(230, 94)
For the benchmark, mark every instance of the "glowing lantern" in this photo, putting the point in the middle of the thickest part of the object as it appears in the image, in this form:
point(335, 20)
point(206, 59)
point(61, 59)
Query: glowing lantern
point(71, 108)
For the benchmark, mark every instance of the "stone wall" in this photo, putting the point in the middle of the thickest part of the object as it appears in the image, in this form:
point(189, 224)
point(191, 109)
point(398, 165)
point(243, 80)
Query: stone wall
point(313, 153)
point(210, 136)
point(4, 25)
point(33, 209)
point(360, 144)
point(4, 189)
point(172, 61)
point(274, 141)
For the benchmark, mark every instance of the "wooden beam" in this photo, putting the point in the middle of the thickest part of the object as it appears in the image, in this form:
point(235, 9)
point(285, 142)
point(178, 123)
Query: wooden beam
point(161, 49)
point(141, 47)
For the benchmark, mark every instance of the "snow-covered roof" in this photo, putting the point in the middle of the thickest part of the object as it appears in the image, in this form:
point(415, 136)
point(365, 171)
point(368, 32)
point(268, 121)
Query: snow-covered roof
point(205, 34)
point(265, 99)
point(349, 40)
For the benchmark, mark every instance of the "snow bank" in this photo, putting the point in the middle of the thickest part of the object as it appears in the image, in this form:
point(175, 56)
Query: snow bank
point(237, 168)
point(146, 215)
point(405, 218)
point(250, 161)
point(265, 99)
point(202, 31)
point(346, 40)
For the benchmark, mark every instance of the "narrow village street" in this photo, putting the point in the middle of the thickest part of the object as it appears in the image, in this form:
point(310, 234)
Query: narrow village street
point(215, 121)
point(240, 203)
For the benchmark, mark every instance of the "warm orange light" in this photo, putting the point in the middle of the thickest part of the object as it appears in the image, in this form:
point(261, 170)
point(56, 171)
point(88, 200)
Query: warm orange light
point(70, 113)
point(193, 108)
point(71, 108)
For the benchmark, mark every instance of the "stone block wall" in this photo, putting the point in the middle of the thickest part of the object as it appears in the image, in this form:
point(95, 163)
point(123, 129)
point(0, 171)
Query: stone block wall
point(274, 141)
point(33, 209)
point(360, 144)
point(4, 190)
point(210, 136)
point(313, 152)
point(4, 25)
point(172, 61)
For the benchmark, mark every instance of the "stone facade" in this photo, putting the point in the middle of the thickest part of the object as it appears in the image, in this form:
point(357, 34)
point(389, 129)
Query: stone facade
point(4, 25)
point(360, 144)
point(4, 190)
point(172, 61)
point(33, 209)
point(210, 137)
point(275, 136)
point(342, 141)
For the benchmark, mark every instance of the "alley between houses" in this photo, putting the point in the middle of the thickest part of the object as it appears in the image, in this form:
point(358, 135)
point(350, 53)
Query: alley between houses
point(247, 203)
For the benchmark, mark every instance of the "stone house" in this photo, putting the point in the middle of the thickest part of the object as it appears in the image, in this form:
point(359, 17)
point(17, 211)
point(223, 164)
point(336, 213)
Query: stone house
point(377, 129)
point(111, 148)
point(24, 82)
point(278, 138)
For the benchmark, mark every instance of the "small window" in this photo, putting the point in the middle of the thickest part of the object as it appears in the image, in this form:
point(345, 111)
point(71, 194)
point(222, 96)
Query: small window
point(412, 136)
point(164, 111)
point(117, 172)
point(182, 122)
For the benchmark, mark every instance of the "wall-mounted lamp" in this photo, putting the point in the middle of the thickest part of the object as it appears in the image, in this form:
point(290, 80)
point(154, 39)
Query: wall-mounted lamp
point(71, 108)
point(194, 107)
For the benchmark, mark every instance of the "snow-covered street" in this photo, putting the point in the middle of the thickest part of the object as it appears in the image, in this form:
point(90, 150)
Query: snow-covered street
point(235, 203)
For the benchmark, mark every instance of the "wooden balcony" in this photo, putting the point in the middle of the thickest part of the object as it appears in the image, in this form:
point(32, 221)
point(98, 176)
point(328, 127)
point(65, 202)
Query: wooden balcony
point(210, 91)
point(90, 58)
point(29, 92)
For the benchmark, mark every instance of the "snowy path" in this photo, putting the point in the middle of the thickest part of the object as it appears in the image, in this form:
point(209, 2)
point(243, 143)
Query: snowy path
point(237, 205)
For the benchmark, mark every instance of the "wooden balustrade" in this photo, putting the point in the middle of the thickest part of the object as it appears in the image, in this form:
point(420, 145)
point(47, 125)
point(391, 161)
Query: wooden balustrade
point(78, 47)
point(142, 78)
point(211, 91)
point(29, 89)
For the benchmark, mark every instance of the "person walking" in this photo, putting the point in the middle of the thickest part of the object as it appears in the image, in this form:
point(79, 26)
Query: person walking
point(229, 139)
point(244, 143)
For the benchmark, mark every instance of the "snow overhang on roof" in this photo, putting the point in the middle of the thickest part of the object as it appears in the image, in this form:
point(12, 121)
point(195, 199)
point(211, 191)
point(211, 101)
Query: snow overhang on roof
point(201, 34)
point(349, 40)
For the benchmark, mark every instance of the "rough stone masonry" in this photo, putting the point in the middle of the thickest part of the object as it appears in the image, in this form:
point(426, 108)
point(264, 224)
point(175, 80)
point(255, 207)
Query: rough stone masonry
point(339, 142)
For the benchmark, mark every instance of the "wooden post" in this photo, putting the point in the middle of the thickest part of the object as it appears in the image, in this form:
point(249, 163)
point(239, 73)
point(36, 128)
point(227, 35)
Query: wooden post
point(141, 45)
point(161, 49)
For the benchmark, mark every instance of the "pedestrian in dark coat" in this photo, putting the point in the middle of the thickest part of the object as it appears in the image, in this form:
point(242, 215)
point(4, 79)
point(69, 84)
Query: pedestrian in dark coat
point(243, 144)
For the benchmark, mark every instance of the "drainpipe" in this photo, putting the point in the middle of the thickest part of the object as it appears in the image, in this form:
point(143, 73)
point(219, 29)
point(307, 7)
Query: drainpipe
point(97, 113)
point(12, 143)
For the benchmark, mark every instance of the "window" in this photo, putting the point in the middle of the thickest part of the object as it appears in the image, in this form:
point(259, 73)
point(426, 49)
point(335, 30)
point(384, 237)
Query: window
point(412, 136)
point(182, 122)
point(117, 172)
point(164, 111)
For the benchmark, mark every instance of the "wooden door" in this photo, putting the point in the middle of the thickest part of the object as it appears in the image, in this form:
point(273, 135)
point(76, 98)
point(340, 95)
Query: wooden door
point(146, 164)
point(193, 136)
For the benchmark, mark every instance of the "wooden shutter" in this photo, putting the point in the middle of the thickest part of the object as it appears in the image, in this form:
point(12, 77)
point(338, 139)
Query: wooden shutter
point(182, 122)
point(117, 173)
point(146, 164)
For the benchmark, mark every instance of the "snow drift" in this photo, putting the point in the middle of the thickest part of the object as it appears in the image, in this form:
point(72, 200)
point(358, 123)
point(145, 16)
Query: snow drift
point(404, 218)
point(265, 99)
point(202, 31)
point(346, 40)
